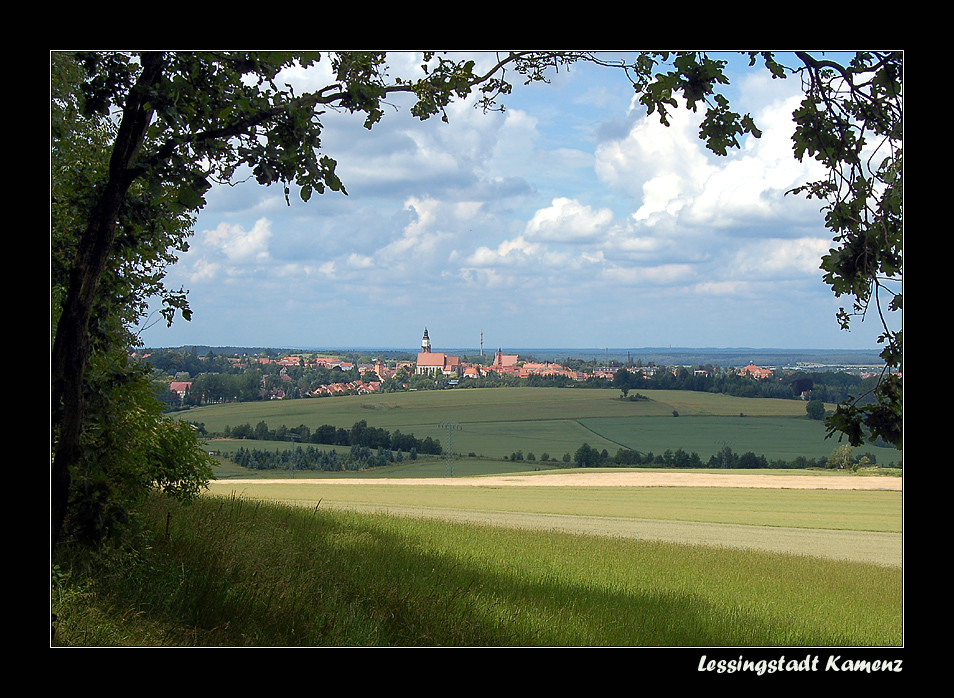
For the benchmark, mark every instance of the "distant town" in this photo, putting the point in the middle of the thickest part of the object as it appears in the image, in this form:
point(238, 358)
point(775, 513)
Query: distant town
point(195, 378)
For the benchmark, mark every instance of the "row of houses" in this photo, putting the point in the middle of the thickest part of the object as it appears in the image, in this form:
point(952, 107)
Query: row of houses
point(432, 363)
point(310, 362)
point(357, 387)
point(439, 364)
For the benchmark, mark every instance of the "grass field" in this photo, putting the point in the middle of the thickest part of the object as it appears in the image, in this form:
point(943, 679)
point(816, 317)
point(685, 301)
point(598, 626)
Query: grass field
point(498, 422)
point(783, 438)
point(235, 571)
point(847, 524)
point(407, 555)
point(805, 508)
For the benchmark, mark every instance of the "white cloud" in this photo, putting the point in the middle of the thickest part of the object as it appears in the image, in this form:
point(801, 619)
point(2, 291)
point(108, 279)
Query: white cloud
point(360, 261)
point(677, 184)
point(237, 244)
point(566, 220)
point(664, 275)
point(721, 288)
point(203, 270)
point(424, 239)
point(657, 166)
point(226, 250)
point(509, 252)
point(496, 213)
point(778, 259)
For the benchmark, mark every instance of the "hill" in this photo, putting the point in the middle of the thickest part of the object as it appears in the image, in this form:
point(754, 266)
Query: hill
point(495, 423)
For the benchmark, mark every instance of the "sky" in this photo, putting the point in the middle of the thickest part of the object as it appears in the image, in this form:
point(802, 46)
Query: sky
point(570, 220)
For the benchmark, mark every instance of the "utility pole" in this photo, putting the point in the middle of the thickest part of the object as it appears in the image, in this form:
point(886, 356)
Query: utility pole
point(724, 452)
point(451, 428)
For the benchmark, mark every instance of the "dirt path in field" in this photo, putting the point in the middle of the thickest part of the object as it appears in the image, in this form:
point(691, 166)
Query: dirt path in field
point(625, 479)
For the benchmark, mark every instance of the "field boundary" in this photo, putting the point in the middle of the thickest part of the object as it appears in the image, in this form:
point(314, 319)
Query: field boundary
point(605, 438)
point(620, 479)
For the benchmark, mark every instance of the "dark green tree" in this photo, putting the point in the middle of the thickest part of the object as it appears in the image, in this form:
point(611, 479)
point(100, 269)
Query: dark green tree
point(586, 456)
point(111, 442)
point(623, 380)
point(262, 432)
point(815, 409)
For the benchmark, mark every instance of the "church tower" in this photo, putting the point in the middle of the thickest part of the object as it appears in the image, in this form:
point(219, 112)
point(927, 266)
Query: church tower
point(425, 343)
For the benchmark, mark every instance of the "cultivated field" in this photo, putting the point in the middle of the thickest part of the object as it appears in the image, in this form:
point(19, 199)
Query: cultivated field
point(835, 516)
point(498, 422)
point(852, 518)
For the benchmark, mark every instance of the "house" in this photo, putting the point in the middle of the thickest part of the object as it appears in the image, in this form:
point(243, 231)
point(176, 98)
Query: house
point(753, 371)
point(180, 387)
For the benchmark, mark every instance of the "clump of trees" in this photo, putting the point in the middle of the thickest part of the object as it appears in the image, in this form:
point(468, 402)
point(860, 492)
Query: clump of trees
point(360, 434)
point(311, 458)
point(843, 458)
point(815, 409)
point(588, 457)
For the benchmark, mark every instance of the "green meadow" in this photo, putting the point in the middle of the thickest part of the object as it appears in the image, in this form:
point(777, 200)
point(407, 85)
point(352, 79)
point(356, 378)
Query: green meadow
point(857, 510)
point(497, 422)
point(230, 571)
point(371, 559)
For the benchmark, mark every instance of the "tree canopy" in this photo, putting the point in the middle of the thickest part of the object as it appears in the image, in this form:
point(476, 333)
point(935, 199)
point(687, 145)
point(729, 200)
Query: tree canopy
point(852, 121)
point(139, 138)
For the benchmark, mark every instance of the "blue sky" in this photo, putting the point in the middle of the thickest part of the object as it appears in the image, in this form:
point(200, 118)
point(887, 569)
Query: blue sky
point(570, 220)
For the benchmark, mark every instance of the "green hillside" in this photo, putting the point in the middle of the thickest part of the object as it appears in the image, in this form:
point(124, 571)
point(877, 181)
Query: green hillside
point(498, 422)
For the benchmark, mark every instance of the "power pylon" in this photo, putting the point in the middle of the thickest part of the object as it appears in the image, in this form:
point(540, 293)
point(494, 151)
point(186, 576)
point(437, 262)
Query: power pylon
point(451, 428)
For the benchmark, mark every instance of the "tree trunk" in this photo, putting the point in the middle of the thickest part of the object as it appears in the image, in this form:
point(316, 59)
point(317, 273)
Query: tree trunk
point(71, 346)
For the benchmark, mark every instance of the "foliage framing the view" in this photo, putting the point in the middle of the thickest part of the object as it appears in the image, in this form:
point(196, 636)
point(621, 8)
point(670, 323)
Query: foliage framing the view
point(852, 121)
point(126, 446)
point(166, 126)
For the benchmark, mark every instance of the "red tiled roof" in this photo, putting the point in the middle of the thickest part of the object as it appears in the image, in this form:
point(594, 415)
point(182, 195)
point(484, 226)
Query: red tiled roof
point(431, 359)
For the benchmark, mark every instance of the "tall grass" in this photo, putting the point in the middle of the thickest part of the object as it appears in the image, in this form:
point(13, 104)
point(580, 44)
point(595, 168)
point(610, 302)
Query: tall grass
point(240, 572)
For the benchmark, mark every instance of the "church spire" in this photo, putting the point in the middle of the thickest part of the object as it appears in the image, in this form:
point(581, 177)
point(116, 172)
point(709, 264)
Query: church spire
point(425, 343)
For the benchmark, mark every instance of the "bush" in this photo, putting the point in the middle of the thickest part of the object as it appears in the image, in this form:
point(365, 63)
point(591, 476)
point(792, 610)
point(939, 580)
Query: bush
point(841, 458)
point(815, 409)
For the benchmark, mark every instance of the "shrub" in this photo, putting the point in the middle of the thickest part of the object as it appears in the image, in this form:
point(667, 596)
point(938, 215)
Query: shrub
point(815, 409)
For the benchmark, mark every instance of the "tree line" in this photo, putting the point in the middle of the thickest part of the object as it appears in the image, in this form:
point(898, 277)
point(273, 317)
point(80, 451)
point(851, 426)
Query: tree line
point(311, 458)
point(360, 434)
point(588, 457)
point(359, 457)
point(827, 386)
